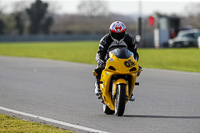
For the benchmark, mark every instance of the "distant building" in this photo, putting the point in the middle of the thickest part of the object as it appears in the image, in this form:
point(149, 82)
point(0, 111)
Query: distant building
point(165, 28)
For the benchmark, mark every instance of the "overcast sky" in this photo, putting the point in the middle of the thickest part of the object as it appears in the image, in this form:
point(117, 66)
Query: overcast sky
point(116, 6)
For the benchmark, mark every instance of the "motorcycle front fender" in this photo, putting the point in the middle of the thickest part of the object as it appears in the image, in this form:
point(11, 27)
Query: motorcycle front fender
point(119, 81)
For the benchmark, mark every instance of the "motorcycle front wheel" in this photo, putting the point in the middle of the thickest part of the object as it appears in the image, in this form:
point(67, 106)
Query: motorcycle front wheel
point(120, 100)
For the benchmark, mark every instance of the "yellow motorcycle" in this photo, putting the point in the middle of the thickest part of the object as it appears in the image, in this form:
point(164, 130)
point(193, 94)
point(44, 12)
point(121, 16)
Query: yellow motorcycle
point(118, 80)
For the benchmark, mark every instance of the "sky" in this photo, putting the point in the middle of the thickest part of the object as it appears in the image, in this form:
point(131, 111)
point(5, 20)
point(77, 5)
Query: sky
point(116, 6)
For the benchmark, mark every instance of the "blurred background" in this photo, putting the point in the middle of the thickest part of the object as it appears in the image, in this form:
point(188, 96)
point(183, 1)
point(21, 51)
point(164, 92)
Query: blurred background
point(160, 24)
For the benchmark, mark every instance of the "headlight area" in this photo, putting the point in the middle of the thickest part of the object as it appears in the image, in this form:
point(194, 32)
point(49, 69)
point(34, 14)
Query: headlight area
point(186, 43)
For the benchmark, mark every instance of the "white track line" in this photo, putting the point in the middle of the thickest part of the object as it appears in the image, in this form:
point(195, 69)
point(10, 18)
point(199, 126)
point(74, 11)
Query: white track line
point(52, 121)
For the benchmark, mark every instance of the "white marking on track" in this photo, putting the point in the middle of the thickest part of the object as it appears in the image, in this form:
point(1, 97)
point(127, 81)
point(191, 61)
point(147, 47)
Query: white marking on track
point(53, 121)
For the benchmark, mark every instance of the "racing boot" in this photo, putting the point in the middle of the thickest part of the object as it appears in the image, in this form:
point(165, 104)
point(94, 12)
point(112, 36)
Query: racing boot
point(97, 89)
point(97, 74)
point(132, 98)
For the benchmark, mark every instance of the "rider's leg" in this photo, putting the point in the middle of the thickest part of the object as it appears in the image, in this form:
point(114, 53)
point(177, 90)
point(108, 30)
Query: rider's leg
point(97, 89)
point(132, 98)
point(97, 74)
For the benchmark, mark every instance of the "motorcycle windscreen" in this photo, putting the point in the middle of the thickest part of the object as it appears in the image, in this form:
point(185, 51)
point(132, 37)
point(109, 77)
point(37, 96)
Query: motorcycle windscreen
point(121, 53)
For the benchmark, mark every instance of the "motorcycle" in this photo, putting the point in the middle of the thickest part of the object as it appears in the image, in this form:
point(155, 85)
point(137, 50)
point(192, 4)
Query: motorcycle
point(118, 80)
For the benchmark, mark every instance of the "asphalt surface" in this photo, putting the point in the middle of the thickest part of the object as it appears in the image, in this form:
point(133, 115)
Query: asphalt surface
point(166, 101)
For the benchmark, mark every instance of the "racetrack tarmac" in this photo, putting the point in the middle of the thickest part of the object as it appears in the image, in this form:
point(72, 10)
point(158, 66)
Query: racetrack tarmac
point(166, 101)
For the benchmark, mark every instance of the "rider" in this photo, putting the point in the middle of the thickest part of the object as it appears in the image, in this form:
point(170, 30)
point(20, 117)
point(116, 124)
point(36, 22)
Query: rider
point(116, 38)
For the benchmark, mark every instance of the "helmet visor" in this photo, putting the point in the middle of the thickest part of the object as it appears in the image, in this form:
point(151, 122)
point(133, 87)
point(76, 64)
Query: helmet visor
point(118, 36)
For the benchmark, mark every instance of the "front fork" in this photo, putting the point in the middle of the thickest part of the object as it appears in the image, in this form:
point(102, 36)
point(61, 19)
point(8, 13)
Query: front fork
point(114, 89)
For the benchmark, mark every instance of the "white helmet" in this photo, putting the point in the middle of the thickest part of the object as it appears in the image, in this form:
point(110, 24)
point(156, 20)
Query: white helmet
point(117, 31)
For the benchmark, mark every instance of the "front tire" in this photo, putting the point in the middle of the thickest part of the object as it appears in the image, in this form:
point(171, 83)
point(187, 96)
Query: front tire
point(107, 110)
point(120, 100)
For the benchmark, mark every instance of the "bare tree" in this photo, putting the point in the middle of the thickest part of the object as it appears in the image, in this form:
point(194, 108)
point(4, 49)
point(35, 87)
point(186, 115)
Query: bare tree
point(93, 8)
point(2, 25)
point(20, 16)
point(193, 9)
point(193, 15)
point(54, 7)
point(1, 8)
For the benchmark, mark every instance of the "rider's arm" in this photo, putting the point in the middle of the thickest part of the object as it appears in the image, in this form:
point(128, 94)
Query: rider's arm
point(103, 47)
point(132, 45)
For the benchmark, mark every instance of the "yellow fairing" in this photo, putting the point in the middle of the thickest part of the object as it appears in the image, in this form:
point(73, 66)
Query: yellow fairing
point(117, 66)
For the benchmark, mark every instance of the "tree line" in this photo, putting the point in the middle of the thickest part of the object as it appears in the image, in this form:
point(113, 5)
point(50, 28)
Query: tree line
point(37, 15)
point(93, 18)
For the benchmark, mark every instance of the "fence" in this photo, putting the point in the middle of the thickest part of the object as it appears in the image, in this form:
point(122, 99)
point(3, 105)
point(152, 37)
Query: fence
point(147, 39)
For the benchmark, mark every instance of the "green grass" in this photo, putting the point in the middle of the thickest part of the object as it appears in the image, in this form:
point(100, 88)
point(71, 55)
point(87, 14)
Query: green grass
point(13, 125)
point(186, 59)
point(69, 51)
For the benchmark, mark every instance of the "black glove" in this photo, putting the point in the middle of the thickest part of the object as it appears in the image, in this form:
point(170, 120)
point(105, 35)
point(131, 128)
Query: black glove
point(100, 63)
point(140, 68)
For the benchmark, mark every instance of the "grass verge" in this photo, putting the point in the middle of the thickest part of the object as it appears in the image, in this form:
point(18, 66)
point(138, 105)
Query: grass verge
point(186, 59)
point(13, 125)
point(83, 52)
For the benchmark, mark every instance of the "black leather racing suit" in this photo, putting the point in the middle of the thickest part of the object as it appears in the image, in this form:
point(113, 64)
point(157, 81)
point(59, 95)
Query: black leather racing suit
point(107, 44)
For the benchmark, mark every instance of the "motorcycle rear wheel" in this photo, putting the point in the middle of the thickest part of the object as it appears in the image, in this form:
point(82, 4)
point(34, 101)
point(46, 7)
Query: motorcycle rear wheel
point(107, 110)
point(120, 100)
